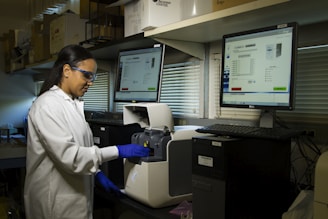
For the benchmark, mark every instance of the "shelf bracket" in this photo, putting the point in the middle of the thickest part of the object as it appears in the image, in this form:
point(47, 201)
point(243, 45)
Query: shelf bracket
point(192, 48)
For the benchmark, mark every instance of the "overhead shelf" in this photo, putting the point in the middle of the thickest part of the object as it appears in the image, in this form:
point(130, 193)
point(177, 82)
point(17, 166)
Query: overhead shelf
point(212, 26)
point(110, 50)
point(104, 51)
point(41, 65)
point(190, 35)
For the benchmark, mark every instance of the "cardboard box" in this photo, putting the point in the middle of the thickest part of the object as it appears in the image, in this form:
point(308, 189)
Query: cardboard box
point(16, 44)
point(64, 30)
point(39, 48)
point(195, 8)
point(223, 4)
point(19, 38)
point(38, 52)
point(47, 19)
point(141, 15)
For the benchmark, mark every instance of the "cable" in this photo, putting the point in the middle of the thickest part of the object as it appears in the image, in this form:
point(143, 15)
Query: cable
point(309, 153)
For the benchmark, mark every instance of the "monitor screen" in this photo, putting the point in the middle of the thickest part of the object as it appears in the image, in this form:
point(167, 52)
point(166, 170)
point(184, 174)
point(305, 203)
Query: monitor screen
point(258, 68)
point(139, 74)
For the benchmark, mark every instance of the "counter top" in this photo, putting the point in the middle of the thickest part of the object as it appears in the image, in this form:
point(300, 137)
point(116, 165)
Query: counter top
point(12, 155)
point(8, 150)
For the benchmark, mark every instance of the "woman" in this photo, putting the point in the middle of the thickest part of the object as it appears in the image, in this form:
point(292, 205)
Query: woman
point(61, 157)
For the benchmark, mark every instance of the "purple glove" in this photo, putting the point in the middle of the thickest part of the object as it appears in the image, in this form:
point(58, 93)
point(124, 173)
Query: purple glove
point(106, 183)
point(132, 150)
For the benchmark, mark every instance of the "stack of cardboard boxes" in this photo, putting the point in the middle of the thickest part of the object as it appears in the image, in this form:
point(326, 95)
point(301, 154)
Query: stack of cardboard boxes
point(16, 45)
point(141, 15)
point(98, 20)
point(40, 39)
point(66, 29)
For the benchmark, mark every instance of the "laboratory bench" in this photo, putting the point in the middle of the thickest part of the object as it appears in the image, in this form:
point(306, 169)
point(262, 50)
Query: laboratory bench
point(7, 132)
point(12, 155)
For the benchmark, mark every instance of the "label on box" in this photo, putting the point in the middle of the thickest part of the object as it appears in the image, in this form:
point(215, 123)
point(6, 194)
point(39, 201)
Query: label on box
point(205, 161)
point(96, 140)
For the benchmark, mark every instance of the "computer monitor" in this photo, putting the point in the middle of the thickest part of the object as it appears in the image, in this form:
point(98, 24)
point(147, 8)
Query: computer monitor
point(258, 68)
point(139, 74)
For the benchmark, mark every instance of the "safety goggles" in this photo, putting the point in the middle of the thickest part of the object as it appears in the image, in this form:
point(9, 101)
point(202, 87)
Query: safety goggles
point(90, 76)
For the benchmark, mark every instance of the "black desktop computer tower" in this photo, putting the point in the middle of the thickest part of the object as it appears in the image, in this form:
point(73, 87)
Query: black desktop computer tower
point(240, 178)
point(106, 133)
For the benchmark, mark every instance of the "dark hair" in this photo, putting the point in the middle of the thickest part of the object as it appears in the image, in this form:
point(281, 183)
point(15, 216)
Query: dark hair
point(71, 54)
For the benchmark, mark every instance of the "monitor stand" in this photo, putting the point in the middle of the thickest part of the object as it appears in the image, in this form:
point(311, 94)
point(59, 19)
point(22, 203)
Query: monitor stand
point(267, 118)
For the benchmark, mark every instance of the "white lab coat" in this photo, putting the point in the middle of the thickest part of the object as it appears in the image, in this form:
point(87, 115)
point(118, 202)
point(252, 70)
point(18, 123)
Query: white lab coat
point(61, 159)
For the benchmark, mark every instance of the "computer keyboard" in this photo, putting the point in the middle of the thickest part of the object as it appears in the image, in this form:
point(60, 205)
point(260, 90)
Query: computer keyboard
point(277, 133)
point(106, 121)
